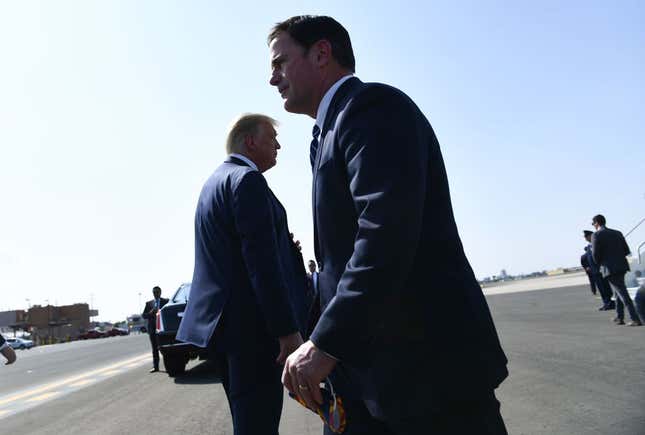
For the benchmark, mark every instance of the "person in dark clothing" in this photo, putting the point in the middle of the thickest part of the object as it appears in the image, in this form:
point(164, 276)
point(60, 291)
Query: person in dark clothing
point(610, 250)
point(150, 314)
point(596, 278)
point(383, 223)
point(585, 265)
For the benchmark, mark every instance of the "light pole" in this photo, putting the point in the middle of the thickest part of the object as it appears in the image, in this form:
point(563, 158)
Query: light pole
point(139, 298)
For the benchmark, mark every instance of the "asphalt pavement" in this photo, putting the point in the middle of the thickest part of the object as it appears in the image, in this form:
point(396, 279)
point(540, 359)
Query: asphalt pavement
point(572, 372)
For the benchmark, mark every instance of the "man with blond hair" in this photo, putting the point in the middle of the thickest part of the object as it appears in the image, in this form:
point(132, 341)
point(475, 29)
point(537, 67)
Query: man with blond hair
point(248, 297)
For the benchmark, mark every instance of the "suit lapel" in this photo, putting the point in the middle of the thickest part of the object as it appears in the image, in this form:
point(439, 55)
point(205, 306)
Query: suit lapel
point(335, 106)
point(338, 102)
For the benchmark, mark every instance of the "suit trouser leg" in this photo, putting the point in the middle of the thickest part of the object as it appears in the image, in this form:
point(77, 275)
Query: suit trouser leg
point(617, 283)
point(592, 283)
point(254, 392)
point(639, 303)
point(474, 417)
point(360, 421)
point(603, 288)
point(155, 350)
point(478, 416)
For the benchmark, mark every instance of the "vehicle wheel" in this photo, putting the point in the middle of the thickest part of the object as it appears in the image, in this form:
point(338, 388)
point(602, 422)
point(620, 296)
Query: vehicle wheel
point(22, 346)
point(175, 364)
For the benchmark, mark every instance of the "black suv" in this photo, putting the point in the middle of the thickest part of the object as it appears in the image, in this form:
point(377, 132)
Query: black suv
point(175, 354)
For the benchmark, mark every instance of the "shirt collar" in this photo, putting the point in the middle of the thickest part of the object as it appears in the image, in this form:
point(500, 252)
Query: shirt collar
point(245, 160)
point(326, 100)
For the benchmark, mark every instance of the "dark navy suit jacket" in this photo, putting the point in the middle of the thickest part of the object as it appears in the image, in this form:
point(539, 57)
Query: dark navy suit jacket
point(151, 324)
point(609, 251)
point(402, 310)
point(249, 278)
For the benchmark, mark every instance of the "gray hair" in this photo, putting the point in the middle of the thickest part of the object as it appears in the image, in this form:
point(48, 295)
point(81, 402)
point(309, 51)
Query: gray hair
point(243, 125)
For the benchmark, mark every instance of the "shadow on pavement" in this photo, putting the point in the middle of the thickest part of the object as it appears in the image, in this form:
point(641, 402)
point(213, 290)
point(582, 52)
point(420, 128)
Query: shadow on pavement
point(204, 372)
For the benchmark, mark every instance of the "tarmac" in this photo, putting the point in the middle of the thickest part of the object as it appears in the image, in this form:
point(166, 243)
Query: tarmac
point(572, 372)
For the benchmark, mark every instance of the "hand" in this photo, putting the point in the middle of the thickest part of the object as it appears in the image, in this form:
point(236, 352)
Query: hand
point(296, 242)
point(288, 344)
point(10, 354)
point(304, 371)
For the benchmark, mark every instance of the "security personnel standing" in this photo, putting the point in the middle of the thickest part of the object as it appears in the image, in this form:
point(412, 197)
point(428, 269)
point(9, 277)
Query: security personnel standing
point(150, 314)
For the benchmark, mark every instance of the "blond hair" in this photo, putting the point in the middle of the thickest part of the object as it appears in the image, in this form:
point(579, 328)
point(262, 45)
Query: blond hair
point(244, 125)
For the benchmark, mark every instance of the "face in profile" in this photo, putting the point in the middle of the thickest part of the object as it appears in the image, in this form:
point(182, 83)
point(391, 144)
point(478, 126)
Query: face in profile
point(293, 73)
point(265, 147)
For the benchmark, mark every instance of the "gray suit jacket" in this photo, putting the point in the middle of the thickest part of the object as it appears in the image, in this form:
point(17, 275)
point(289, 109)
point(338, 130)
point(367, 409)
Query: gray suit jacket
point(609, 251)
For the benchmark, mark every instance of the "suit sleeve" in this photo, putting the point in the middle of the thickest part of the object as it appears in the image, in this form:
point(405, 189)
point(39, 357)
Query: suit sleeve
point(596, 249)
point(255, 224)
point(145, 314)
point(385, 144)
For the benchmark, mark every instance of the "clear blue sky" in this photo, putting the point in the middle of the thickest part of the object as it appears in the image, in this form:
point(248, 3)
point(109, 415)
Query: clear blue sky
point(112, 114)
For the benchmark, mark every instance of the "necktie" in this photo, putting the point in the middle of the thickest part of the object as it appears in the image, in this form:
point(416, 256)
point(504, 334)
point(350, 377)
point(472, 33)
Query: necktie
point(314, 145)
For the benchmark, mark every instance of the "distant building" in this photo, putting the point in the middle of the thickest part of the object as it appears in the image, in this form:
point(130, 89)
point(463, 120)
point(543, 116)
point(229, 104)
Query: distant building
point(59, 322)
point(47, 323)
point(10, 318)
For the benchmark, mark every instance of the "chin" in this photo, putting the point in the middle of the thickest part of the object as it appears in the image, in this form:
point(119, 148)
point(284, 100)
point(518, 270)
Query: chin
point(292, 107)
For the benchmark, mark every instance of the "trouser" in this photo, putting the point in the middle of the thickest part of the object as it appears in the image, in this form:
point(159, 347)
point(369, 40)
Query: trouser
point(475, 416)
point(639, 302)
point(254, 391)
point(603, 288)
point(592, 283)
point(155, 350)
point(617, 283)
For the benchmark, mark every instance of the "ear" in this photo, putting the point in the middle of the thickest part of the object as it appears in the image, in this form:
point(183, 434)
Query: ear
point(249, 142)
point(321, 52)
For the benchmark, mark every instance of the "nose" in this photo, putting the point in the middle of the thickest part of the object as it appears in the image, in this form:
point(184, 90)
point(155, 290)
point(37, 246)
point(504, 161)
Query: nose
point(277, 145)
point(275, 78)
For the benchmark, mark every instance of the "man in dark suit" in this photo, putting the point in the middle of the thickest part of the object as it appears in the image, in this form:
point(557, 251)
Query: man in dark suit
point(312, 278)
point(248, 299)
point(610, 250)
point(595, 277)
point(7, 351)
point(150, 314)
point(314, 296)
point(389, 255)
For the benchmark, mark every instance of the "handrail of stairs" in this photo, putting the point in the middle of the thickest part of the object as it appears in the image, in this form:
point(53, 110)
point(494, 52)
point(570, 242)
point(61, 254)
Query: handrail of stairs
point(637, 225)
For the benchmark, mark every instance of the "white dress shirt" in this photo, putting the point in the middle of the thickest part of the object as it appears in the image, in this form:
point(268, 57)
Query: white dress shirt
point(326, 101)
point(245, 159)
